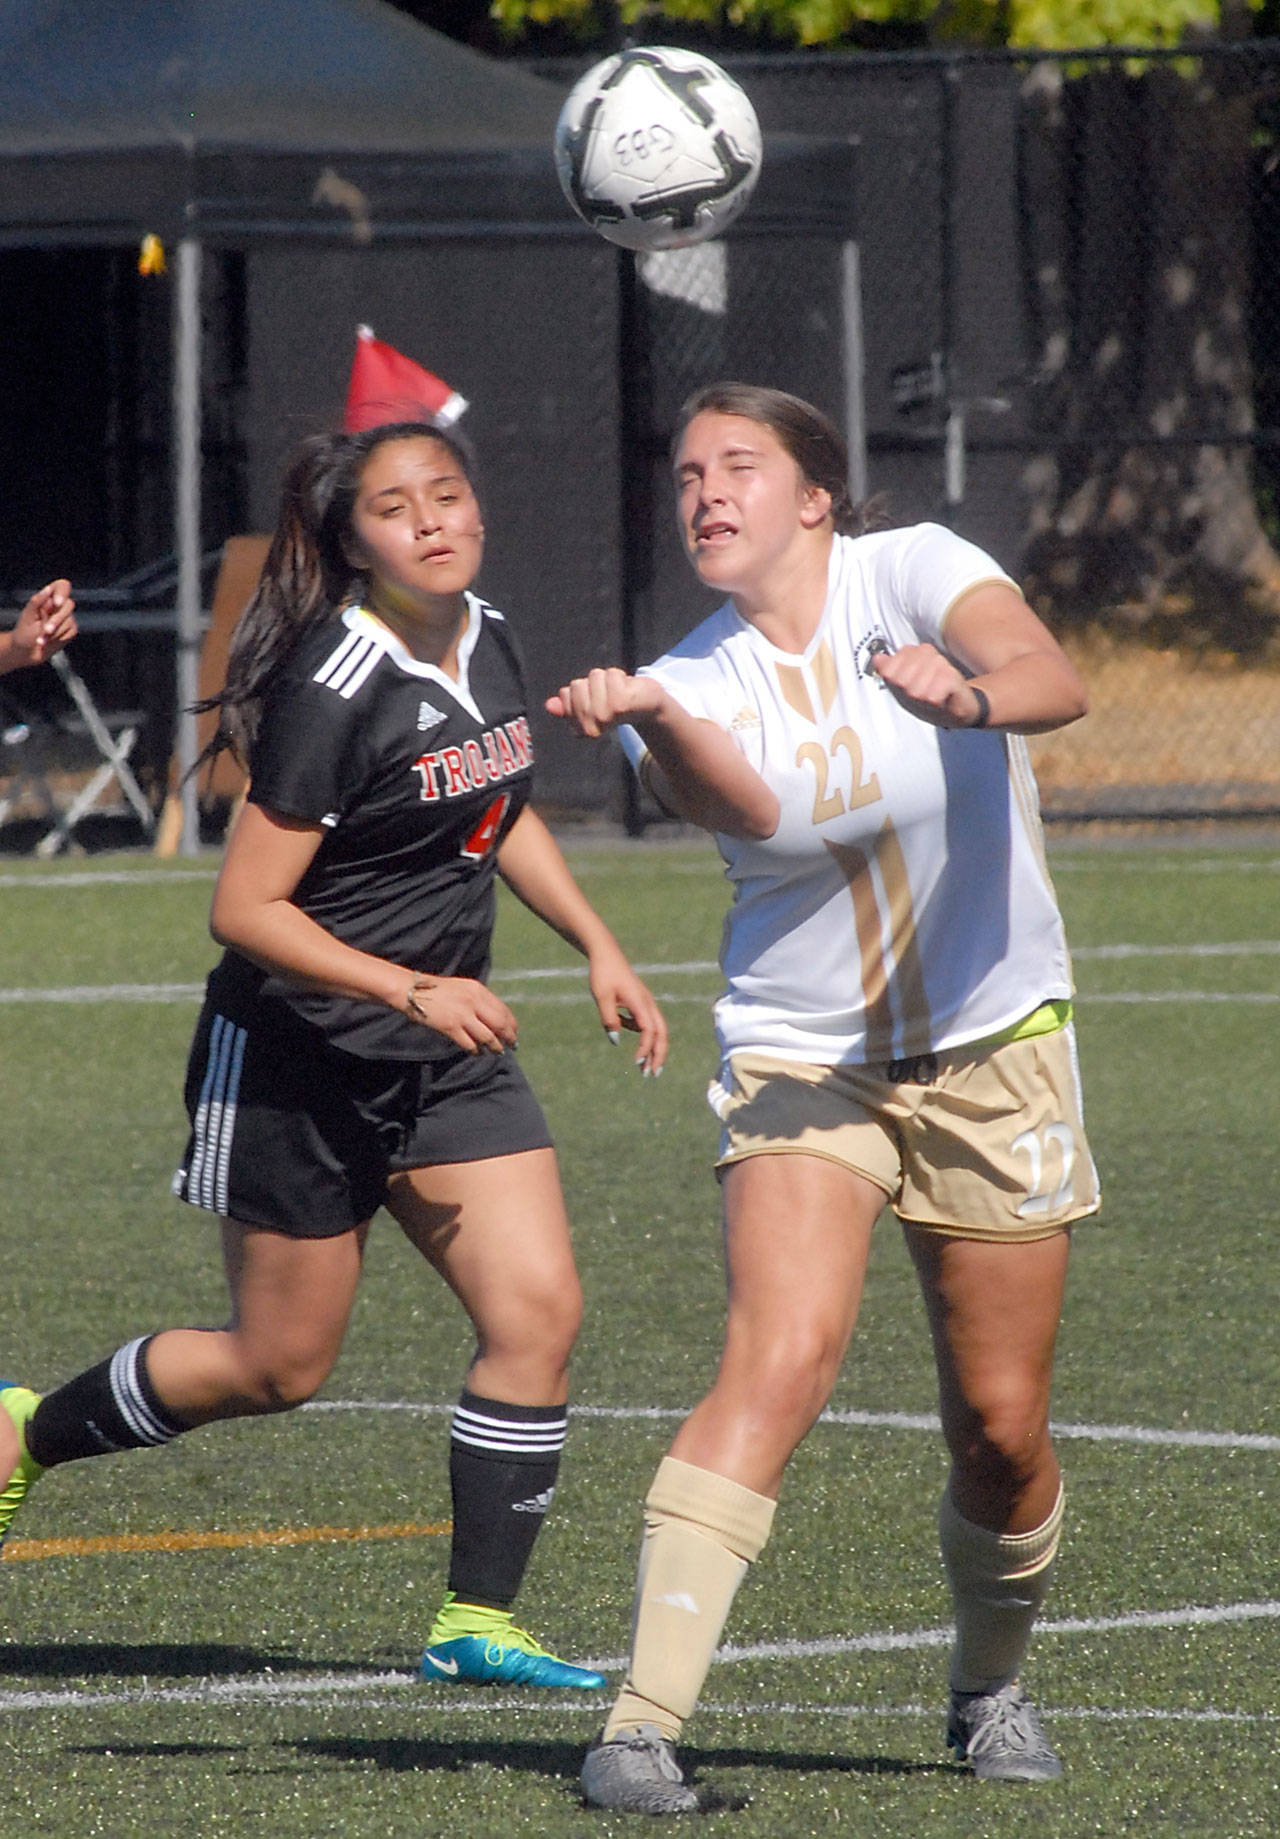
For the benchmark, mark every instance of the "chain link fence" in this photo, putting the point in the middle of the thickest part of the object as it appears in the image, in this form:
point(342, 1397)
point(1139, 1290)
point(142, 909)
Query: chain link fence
point(1054, 325)
point(1069, 286)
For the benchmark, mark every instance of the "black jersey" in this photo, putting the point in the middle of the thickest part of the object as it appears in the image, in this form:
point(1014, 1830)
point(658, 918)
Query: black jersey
point(416, 779)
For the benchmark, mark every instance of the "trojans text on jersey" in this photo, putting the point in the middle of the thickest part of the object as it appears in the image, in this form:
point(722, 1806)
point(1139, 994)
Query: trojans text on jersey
point(454, 771)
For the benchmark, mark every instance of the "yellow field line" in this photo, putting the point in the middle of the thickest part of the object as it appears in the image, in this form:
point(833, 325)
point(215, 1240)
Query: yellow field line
point(18, 1549)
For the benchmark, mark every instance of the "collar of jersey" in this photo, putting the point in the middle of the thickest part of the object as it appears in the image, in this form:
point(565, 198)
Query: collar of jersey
point(359, 619)
point(835, 580)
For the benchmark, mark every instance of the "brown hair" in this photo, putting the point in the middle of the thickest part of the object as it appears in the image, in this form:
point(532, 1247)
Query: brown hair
point(308, 573)
point(814, 443)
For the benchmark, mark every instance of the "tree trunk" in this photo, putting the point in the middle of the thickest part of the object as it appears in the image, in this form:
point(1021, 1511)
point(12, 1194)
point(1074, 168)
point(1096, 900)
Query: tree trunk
point(1137, 220)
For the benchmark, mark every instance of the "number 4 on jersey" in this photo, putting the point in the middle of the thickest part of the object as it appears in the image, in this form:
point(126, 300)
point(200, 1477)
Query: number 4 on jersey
point(485, 834)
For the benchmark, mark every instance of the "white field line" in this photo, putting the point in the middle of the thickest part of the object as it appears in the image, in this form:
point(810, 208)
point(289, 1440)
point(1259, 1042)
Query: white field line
point(1135, 1715)
point(1093, 997)
point(1063, 863)
point(914, 1640)
point(1099, 862)
point(192, 993)
point(310, 1689)
point(1250, 948)
point(108, 993)
point(697, 967)
point(867, 1420)
point(103, 877)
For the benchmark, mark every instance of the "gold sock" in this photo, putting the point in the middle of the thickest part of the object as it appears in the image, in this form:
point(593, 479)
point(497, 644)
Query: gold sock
point(701, 1531)
point(998, 1583)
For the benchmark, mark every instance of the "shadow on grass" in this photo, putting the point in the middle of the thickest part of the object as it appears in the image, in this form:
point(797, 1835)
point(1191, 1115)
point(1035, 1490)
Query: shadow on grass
point(98, 1659)
point(559, 1759)
point(818, 1762)
point(153, 1752)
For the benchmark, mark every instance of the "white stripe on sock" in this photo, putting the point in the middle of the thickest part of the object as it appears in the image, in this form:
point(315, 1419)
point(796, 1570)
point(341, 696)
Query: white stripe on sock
point(512, 1436)
point(131, 1402)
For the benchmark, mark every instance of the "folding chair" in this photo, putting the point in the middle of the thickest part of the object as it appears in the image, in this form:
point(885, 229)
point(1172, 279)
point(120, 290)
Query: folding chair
point(113, 735)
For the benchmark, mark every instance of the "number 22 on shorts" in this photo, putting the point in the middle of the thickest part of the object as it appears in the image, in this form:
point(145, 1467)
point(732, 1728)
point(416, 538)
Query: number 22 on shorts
point(1041, 1198)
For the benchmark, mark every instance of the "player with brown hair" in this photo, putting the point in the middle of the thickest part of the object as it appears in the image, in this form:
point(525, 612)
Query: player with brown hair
point(895, 1029)
point(350, 1054)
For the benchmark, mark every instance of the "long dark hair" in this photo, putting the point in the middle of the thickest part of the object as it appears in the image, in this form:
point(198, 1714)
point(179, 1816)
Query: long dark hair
point(308, 572)
point(814, 443)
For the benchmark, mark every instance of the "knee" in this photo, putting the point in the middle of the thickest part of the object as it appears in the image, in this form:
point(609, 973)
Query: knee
point(791, 1378)
point(565, 1316)
point(540, 1323)
point(1001, 1440)
point(284, 1381)
point(554, 1319)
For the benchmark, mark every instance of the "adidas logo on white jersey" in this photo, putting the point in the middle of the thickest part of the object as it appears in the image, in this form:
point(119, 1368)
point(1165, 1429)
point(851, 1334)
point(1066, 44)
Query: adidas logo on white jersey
point(747, 717)
point(429, 717)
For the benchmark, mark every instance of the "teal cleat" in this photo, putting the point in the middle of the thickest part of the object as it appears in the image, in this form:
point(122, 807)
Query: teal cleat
point(471, 1644)
point(17, 1403)
point(512, 1659)
point(515, 1660)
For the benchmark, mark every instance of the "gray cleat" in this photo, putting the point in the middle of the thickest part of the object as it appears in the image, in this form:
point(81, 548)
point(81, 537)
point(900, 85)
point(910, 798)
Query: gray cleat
point(999, 1735)
point(636, 1772)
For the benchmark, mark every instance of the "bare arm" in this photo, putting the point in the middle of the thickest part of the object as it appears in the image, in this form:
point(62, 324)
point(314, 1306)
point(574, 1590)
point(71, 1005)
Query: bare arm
point(254, 911)
point(1028, 680)
point(44, 626)
point(530, 862)
point(699, 772)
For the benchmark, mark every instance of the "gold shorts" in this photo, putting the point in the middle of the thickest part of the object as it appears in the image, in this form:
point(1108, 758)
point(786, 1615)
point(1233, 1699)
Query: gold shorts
point(981, 1142)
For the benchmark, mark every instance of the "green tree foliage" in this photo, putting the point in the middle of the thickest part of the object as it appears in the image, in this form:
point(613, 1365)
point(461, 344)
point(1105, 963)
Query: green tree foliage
point(1049, 24)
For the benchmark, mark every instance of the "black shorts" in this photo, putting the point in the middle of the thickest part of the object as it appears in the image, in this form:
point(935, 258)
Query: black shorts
point(290, 1133)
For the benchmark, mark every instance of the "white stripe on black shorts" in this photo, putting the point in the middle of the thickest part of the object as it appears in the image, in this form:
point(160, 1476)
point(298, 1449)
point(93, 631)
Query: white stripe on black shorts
point(289, 1133)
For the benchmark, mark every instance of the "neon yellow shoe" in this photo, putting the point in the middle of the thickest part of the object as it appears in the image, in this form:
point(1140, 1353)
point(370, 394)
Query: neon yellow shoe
point(470, 1645)
point(17, 1403)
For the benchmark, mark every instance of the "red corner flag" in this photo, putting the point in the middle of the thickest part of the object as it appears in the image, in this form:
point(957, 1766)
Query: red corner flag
point(387, 386)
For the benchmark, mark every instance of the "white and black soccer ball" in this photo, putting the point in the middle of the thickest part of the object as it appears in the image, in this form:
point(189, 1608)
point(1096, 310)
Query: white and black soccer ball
point(657, 148)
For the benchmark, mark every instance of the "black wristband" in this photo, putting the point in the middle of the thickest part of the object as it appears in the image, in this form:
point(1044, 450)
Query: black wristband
point(983, 716)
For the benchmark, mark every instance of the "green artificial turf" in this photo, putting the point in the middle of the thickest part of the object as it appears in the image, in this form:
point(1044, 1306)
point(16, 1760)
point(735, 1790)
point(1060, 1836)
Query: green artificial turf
point(166, 1691)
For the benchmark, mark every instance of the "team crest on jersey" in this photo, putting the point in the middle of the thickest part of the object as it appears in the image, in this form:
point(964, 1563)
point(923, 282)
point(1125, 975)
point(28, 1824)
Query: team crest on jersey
point(868, 648)
point(429, 717)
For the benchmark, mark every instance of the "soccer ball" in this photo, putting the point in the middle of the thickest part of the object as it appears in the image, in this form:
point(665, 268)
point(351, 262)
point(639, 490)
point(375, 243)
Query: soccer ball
point(657, 148)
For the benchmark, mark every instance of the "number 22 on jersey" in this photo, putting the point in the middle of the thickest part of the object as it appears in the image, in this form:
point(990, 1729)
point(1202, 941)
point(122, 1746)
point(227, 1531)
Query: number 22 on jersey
point(833, 803)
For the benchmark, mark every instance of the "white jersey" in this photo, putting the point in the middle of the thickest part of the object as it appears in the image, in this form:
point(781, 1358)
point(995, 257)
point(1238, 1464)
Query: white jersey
point(903, 905)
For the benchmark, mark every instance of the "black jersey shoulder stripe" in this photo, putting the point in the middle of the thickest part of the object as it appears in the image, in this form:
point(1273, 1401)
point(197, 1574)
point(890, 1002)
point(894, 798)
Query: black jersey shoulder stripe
point(350, 663)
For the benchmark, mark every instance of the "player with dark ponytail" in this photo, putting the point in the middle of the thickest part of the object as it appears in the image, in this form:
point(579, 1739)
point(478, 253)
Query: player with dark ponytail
point(350, 1055)
point(308, 570)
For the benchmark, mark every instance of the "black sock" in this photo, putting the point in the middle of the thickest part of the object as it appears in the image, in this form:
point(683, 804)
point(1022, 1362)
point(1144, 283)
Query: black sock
point(503, 1462)
point(108, 1408)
